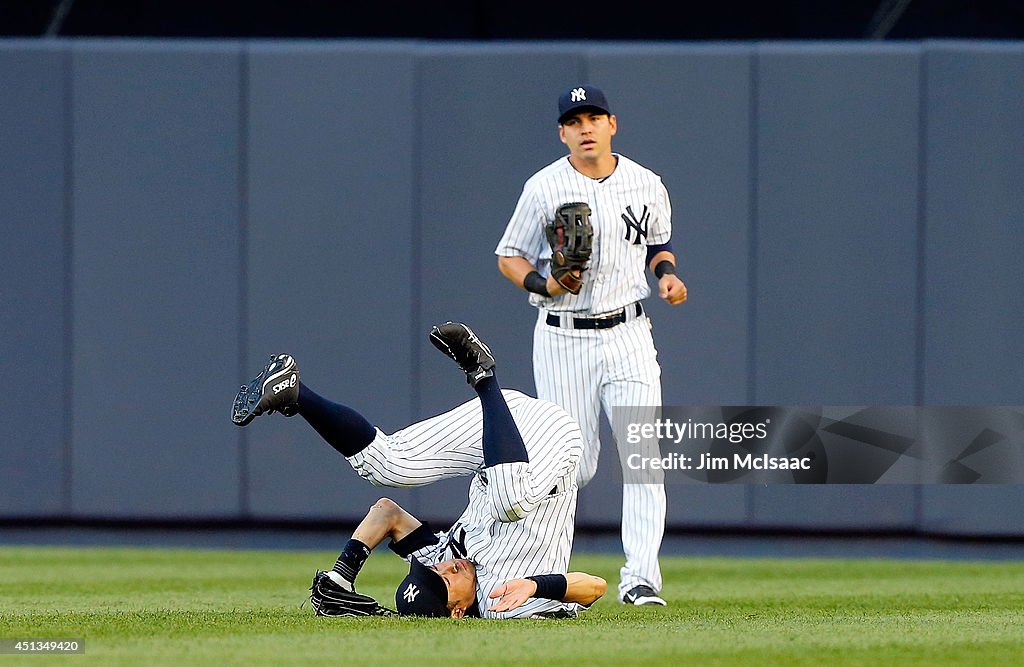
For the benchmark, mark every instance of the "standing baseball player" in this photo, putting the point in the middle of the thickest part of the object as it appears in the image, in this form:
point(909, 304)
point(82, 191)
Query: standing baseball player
point(582, 234)
point(507, 556)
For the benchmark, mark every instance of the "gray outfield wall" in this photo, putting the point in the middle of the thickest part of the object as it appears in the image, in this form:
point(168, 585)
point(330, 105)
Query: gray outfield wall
point(849, 219)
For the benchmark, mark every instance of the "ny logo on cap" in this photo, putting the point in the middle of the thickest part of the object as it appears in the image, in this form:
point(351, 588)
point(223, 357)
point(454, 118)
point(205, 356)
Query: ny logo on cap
point(578, 95)
point(410, 593)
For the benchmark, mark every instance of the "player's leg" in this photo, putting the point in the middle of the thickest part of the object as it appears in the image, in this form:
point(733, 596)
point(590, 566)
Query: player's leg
point(277, 388)
point(633, 390)
point(501, 440)
point(444, 446)
point(343, 428)
point(567, 370)
point(506, 460)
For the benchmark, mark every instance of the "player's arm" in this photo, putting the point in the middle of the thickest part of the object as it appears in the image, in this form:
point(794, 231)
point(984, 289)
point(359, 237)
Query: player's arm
point(517, 269)
point(578, 587)
point(385, 519)
point(662, 263)
point(583, 588)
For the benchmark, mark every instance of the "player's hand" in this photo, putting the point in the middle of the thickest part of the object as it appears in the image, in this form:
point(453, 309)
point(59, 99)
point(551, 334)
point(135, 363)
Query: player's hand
point(672, 289)
point(555, 288)
point(513, 593)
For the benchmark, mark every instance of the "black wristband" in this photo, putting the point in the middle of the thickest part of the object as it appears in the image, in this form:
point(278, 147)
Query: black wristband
point(536, 283)
point(550, 586)
point(663, 267)
point(422, 536)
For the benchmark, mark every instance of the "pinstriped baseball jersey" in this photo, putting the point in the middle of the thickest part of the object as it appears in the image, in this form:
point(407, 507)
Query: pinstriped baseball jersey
point(541, 543)
point(587, 369)
point(520, 517)
point(630, 210)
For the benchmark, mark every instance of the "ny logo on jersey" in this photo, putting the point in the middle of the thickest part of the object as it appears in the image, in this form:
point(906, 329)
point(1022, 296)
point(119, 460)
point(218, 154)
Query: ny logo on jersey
point(578, 95)
point(636, 225)
point(410, 593)
point(457, 543)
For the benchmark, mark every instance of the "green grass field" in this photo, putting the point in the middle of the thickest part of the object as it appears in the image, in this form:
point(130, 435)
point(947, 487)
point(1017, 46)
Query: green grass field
point(188, 607)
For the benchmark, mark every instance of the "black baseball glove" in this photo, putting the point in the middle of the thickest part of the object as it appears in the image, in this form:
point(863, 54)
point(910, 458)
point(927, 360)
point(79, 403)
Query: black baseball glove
point(330, 599)
point(571, 237)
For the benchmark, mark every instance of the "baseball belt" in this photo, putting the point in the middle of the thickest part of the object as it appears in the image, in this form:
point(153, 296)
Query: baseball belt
point(612, 319)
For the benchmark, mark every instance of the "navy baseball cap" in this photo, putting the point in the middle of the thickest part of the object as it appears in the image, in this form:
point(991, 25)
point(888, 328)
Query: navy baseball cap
point(581, 97)
point(422, 592)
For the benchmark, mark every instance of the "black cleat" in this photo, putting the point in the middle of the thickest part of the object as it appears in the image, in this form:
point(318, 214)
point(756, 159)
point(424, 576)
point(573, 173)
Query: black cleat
point(642, 596)
point(276, 388)
point(460, 343)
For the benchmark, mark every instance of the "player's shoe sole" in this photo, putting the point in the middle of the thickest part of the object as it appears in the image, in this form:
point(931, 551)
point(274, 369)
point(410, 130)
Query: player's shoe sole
point(276, 388)
point(642, 596)
point(467, 350)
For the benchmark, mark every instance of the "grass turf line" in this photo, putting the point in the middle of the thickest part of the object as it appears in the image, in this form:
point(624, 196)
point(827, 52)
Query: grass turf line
point(198, 607)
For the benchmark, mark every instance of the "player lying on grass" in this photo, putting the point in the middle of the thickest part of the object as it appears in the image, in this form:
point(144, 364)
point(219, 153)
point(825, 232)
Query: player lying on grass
point(447, 588)
point(507, 556)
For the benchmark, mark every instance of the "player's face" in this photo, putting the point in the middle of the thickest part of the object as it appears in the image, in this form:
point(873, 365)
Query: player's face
point(460, 577)
point(588, 134)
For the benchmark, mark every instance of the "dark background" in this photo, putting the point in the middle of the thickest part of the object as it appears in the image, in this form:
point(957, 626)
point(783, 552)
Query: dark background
point(852, 221)
point(521, 20)
point(850, 224)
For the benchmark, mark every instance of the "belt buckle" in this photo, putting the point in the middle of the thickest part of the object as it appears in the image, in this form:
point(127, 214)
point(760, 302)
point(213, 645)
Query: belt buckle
point(609, 321)
point(621, 312)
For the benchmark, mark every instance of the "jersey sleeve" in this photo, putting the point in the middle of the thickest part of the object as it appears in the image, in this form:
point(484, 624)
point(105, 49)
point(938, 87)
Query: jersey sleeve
point(539, 608)
point(662, 225)
point(523, 235)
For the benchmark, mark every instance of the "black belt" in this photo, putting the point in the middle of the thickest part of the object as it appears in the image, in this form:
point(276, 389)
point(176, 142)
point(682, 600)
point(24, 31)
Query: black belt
point(630, 312)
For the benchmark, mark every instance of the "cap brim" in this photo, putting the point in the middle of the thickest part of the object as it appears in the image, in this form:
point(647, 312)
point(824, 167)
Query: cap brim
point(580, 108)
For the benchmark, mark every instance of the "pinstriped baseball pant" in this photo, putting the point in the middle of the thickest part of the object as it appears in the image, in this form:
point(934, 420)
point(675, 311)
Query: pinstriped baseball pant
point(585, 371)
